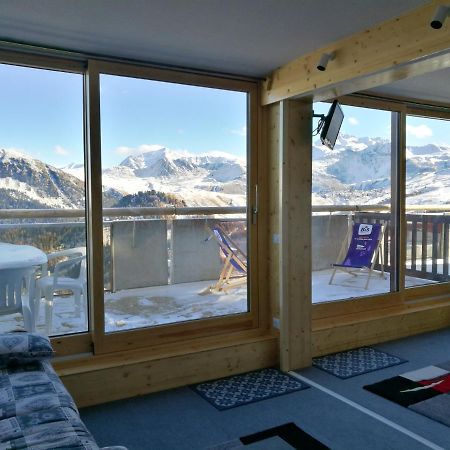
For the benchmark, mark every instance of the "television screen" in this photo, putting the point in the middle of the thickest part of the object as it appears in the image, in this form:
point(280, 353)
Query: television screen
point(332, 125)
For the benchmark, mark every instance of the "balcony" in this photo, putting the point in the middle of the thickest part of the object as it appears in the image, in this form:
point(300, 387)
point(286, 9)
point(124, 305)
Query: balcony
point(159, 262)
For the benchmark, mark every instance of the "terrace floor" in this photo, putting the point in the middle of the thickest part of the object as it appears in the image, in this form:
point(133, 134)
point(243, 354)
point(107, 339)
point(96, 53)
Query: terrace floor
point(346, 286)
point(158, 305)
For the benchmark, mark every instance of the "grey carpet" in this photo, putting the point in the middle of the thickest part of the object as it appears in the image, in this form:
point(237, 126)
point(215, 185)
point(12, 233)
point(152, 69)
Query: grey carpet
point(179, 419)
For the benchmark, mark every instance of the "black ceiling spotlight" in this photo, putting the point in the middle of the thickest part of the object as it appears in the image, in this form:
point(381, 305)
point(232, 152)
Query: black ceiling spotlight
point(441, 13)
point(324, 60)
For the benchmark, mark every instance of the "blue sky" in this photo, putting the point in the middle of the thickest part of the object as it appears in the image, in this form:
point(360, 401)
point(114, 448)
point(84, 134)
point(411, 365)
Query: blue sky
point(41, 115)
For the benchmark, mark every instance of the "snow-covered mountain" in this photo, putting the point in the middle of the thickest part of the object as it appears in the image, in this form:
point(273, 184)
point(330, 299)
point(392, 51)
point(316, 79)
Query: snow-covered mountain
point(29, 183)
point(212, 179)
point(358, 171)
point(26, 182)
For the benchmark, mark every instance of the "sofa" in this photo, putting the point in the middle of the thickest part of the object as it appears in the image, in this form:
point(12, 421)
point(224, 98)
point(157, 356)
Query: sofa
point(36, 410)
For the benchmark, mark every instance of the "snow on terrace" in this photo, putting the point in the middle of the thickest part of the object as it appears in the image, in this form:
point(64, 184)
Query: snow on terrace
point(143, 307)
point(159, 305)
point(346, 286)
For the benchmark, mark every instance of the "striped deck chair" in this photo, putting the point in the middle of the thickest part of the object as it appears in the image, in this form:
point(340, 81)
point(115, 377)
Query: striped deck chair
point(362, 248)
point(234, 270)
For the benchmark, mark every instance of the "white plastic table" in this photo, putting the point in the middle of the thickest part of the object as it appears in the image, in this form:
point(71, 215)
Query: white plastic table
point(20, 256)
point(18, 262)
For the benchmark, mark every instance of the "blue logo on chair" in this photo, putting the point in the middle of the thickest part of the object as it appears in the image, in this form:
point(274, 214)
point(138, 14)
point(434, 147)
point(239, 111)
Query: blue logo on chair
point(365, 229)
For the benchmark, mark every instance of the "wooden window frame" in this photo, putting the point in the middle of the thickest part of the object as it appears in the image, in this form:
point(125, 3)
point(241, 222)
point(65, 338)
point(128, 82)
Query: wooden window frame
point(423, 295)
point(158, 335)
point(95, 340)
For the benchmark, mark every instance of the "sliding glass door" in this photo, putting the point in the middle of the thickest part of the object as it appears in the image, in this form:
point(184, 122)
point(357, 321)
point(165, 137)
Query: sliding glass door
point(352, 184)
point(174, 176)
point(427, 201)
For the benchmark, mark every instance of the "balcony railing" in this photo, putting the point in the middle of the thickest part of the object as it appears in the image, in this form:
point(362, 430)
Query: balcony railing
point(427, 231)
point(427, 254)
point(143, 247)
point(121, 212)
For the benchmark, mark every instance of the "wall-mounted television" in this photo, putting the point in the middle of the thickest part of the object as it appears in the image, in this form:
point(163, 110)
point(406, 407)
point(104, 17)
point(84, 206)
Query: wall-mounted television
point(331, 125)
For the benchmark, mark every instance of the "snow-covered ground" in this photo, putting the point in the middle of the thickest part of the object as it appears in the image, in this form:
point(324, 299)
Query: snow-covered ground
point(346, 286)
point(144, 307)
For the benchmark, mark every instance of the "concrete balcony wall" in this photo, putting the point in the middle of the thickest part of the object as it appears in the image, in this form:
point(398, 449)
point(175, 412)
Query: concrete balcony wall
point(328, 233)
point(140, 250)
point(195, 257)
point(139, 254)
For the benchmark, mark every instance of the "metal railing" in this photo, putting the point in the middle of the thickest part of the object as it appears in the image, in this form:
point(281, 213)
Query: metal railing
point(55, 229)
point(121, 212)
point(427, 227)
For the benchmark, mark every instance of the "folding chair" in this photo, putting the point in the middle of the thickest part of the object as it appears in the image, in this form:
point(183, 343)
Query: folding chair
point(362, 248)
point(234, 270)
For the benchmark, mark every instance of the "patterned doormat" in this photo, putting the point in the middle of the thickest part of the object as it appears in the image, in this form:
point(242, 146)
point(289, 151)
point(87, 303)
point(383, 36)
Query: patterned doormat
point(288, 436)
point(356, 362)
point(247, 388)
point(424, 391)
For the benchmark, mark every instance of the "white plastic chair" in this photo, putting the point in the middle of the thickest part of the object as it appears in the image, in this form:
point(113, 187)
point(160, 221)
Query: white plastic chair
point(48, 284)
point(11, 284)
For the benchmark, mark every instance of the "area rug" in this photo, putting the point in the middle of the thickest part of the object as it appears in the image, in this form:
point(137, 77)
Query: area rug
point(356, 362)
point(247, 388)
point(288, 436)
point(425, 391)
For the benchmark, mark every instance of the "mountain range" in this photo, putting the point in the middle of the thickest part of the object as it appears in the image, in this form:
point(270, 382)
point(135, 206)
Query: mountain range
point(356, 171)
point(211, 179)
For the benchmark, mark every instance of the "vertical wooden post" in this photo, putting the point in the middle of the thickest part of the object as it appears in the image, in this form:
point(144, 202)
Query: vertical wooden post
point(295, 229)
point(398, 195)
point(94, 204)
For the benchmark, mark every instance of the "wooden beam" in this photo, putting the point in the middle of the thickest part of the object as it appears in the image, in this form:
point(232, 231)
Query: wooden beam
point(108, 378)
point(94, 200)
point(372, 327)
point(295, 230)
point(273, 241)
point(398, 48)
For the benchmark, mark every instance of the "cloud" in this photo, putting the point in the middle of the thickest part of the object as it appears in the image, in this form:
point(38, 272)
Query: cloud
point(353, 121)
point(240, 132)
point(419, 131)
point(124, 151)
point(61, 151)
point(128, 151)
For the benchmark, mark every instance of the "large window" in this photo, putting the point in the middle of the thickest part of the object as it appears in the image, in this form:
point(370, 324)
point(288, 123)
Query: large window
point(367, 179)
point(42, 201)
point(154, 225)
point(427, 201)
point(169, 152)
point(351, 184)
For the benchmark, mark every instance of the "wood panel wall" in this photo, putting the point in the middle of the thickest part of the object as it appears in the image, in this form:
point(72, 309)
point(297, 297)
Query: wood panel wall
point(290, 146)
point(273, 146)
point(127, 374)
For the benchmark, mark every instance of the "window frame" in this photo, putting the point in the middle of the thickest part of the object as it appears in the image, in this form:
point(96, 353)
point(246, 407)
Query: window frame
point(95, 340)
point(82, 341)
point(168, 333)
point(404, 297)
